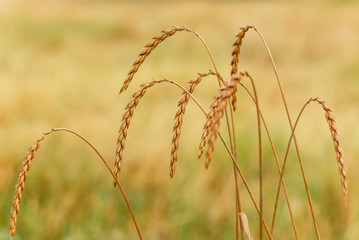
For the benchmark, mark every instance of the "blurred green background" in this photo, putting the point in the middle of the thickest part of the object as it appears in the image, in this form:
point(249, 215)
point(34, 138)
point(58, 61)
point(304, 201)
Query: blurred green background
point(63, 63)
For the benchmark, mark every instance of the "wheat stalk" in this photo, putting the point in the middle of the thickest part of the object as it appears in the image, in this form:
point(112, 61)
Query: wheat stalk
point(26, 167)
point(339, 153)
point(179, 118)
point(237, 168)
point(277, 162)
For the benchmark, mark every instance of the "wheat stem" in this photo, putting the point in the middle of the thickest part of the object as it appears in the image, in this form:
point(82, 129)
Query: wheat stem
point(26, 167)
point(302, 170)
point(278, 167)
point(238, 200)
point(226, 147)
point(260, 157)
point(291, 126)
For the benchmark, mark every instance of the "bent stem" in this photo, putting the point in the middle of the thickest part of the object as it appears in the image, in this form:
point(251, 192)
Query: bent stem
point(232, 137)
point(232, 141)
point(291, 127)
point(260, 156)
point(229, 152)
point(302, 170)
point(26, 166)
point(113, 175)
point(278, 167)
point(238, 199)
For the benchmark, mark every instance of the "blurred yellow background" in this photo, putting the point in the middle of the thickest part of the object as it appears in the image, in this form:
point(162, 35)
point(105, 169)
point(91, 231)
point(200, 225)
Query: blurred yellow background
point(63, 63)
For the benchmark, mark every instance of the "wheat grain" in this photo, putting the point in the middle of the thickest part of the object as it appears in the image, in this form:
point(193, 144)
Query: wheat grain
point(179, 118)
point(149, 48)
point(20, 184)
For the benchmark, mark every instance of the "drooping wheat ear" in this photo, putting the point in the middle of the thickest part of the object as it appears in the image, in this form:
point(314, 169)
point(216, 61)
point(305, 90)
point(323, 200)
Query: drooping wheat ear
point(208, 125)
point(237, 49)
point(20, 184)
point(337, 146)
point(126, 118)
point(235, 57)
point(182, 104)
point(226, 92)
point(149, 48)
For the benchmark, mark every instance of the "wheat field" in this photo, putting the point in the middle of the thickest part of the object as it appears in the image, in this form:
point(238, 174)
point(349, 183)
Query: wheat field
point(63, 64)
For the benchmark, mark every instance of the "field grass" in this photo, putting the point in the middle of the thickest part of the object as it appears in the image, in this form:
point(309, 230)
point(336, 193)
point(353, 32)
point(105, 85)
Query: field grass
point(62, 65)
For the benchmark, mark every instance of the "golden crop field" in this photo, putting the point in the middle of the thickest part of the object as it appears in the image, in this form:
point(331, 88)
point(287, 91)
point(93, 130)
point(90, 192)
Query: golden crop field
point(62, 65)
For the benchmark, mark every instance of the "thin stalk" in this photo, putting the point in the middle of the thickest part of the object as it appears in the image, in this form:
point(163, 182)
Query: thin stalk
point(291, 126)
point(229, 152)
point(246, 185)
point(220, 82)
point(286, 157)
point(278, 167)
point(235, 172)
point(233, 146)
point(220, 79)
point(260, 157)
point(238, 200)
point(232, 142)
point(109, 169)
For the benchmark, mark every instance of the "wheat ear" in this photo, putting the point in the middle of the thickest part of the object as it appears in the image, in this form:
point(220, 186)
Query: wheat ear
point(20, 184)
point(129, 113)
point(208, 125)
point(126, 119)
point(237, 49)
point(149, 48)
point(226, 92)
point(182, 104)
point(235, 57)
point(337, 146)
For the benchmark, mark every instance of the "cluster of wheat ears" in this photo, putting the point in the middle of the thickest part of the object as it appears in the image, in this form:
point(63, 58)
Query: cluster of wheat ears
point(222, 107)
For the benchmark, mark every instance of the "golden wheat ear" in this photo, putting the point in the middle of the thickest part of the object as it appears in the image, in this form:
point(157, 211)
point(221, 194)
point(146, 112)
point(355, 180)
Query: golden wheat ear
point(235, 58)
point(179, 118)
point(126, 120)
point(208, 125)
point(237, 49)
point(149, 48)
point(337, 146)
point(226, 92)
point(20, 184)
